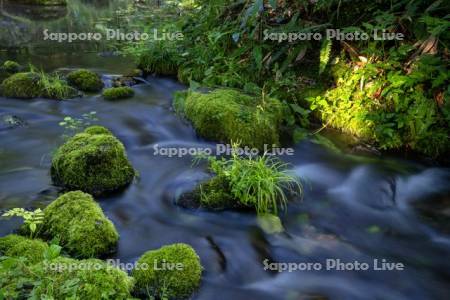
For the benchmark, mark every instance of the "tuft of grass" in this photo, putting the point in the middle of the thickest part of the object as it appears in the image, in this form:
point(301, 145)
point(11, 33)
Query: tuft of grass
point(261, 182)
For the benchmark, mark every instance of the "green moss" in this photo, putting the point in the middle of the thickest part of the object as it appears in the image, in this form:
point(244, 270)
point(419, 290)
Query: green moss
point(118, 93)
point(80, 225)
point(22, 85)
point(227, 115)
point(15, 245)
point(177, 283)
point(215, 194)
point(93, 161)
point(65, 278)
point(11, 66)
point(85, 80)
point(41, 2)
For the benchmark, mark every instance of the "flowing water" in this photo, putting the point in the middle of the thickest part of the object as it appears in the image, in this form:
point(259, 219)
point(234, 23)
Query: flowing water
point(354, 208)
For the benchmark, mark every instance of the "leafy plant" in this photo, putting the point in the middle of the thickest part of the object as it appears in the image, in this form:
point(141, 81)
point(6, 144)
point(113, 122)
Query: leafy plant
point(31, 218)
point(261, 182)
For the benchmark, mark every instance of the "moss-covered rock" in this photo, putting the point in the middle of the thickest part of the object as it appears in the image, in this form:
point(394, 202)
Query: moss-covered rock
point(80, 225)
point(172, 271)
point(226, 115)
point(93, 161)
point(15, 245)
point(85, 80)
point(65, 278)
point(22, 85)
point(11, 66)
point(41, 2)
point(27, 85)
point(118, 93)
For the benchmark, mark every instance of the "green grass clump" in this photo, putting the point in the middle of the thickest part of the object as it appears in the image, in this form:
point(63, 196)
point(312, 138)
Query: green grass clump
point(93, 161)
point(80, 225)
point(226, 115)
point(159, 59)
point(85, 80)
point(31, 249)
point(261, 183)
point(54, 87)
point(63, 278)
point(178, 283)
point(118, 93)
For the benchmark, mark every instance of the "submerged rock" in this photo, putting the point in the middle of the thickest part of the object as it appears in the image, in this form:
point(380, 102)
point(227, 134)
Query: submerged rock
point(227, 116)
point(80, 225)
point(85, 80)
point(10, 122)
point(93, 161)
point(118, 93)
point(173, 271)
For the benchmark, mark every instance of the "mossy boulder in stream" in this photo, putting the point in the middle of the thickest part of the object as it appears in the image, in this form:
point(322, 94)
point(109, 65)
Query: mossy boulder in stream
point(65, 278)
point(80, 225)
point(28, 85)
point(118, 93)
point(172, 272)
point(15, 245)
point(226, 115)
point(9, 68)
point(24, 85)
point(93, 161)
point(85, 80)
point(40, 2)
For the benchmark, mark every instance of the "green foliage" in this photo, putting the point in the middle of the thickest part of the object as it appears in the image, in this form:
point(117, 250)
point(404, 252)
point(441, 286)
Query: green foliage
point(260, 182)
point(85, 80)
point(93, 161)
point(325, 53)
point(118, 93)
point(154, 279)
point(31, 218)
point(63, 278)
point(160, 58)
point(382, 103)
point(80, 225)
point(54, 87)
point(42, 2)
point(227, 115)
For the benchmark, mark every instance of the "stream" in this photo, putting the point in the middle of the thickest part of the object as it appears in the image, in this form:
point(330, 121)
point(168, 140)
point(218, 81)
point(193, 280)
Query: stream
point(354, 208)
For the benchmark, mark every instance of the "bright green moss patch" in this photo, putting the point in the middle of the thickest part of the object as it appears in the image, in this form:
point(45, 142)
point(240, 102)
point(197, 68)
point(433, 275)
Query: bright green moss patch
point(64, 278)
point(22, 85)
point(227, 115)
point(93, 161)
point(14, 245)
point(80, 225)
point(171, 272)
point(85, 80)
point(27, 85)
point(118, 93)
